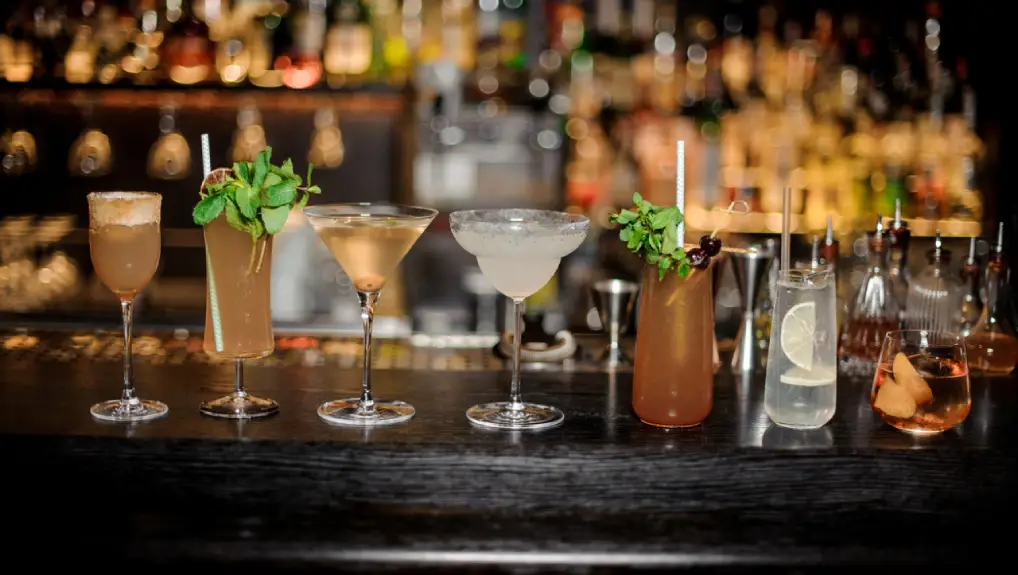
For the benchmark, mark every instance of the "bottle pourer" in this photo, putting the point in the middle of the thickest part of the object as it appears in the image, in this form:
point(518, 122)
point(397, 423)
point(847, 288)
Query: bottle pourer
point(880, 226)
point(814, 261)
point(898, 223)
point(972, 252)
point(1000, 238)
point(829, 234)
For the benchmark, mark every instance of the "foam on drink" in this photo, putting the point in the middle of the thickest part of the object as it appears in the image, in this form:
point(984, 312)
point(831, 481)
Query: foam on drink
point(123, 208)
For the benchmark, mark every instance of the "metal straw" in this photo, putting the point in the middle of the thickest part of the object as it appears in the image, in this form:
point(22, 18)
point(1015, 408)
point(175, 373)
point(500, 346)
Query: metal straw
point(786, 230)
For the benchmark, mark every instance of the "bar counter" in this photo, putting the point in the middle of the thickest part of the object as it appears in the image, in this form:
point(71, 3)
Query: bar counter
point(601, 492)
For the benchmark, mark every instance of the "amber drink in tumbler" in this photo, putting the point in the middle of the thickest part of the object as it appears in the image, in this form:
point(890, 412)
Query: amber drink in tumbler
point(673, 376)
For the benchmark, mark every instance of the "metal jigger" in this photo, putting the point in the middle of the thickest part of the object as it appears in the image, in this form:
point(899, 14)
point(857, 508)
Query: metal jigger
point(614, 300)
point(750, 269)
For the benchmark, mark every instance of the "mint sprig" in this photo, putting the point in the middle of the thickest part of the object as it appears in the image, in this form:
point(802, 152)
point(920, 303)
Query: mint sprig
point(256, 196)
point(652, 231)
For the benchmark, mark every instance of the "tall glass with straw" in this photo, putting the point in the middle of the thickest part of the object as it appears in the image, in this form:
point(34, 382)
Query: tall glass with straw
point(800, 389)
point(238, 319)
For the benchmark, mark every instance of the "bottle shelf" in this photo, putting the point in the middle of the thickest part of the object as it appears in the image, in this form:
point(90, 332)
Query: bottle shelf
point(366, 98)
point(699, 218)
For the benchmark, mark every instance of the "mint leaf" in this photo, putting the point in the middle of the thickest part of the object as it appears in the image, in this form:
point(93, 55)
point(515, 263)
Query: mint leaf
point(279, 195)
point(275, 218)
point(661, 219)
point(625, 234)
point(637, 199)
point(261, 168)
point(247, 201)
point(670, 239)
point(287, 167)
point(626, 216)
point(662, 266)
point(684, 269)
point(313, 190)
point(242, 172)
point(307, 181)
point(235, 218)
point(303, 201)
point(208, 209)
point(256, 228)
point(271, 180)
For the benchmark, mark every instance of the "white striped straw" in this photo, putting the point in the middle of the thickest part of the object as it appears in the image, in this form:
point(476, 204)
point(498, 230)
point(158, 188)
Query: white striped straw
point(206, 157)
point(680, 188)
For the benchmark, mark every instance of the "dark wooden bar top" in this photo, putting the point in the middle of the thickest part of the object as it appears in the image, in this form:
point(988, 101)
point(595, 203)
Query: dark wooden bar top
point(602, 492)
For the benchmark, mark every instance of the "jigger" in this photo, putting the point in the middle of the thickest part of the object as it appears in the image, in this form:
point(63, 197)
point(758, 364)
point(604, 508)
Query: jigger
point(750, 269)
point(614, 300)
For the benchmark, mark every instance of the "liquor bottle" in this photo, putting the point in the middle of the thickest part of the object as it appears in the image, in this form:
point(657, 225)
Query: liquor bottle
point(971, 302)
point(268, 39)
point(874, 311)
point(349, 44)
point(189, 58)
point(993, 343)
point(934, 297)
point(142, 52)
point(17, 45)
point(301, 66)
point(899, 237)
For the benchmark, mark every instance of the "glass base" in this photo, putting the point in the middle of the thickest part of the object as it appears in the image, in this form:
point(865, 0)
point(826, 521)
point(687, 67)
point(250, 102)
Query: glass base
point(128, 411)
point(239, 406)
point(500, 415)
point(348, 412)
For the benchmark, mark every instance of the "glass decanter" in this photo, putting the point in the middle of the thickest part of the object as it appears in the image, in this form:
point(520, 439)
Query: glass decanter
point(971, 301)
point(934, 297)
point(874, 311)
point(993, 343)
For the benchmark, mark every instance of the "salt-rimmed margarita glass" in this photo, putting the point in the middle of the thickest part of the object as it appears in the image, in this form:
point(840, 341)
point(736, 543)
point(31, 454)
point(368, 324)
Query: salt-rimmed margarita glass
point(518, 251)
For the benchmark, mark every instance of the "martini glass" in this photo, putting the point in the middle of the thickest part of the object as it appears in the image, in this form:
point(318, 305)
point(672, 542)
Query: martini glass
point(518, 251)
point(368, 241)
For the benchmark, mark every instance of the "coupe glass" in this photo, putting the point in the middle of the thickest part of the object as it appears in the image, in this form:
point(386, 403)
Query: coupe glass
point(922, 381)
point(518, 251)
point(369, 241)
point(124, 240)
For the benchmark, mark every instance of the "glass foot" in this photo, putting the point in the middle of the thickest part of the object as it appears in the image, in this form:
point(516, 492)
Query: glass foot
point(348, 412)
point(500, 415)
point(239, 406)
point(125, 411)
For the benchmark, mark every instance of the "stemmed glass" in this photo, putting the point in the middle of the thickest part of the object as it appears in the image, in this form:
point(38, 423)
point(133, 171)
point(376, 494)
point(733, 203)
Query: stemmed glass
point(124, 240)
point(922, 381)
point(369, 241)
point(518, 251)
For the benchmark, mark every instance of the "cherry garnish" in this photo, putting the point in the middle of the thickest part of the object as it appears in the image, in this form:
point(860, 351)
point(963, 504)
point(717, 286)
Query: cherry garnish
point(711, 245)
point(698, 258)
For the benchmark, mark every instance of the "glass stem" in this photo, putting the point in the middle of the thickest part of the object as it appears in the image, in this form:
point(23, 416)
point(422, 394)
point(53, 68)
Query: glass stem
point(238, 378)
point(368, 318)
point(128, 397)
point(515, 401)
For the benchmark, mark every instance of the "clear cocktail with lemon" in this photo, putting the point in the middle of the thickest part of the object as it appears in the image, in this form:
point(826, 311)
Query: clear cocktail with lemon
point(801, 388)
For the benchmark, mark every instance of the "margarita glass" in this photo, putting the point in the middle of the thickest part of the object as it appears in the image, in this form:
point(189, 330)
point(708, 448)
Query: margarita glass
point(518, 251)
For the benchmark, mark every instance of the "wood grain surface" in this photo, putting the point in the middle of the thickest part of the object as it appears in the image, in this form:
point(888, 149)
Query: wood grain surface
point(601, 493)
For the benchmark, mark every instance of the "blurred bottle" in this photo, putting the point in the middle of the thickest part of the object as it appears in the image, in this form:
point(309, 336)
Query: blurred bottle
point(993, 343)
point(874, 311)
point(899, 237)
point(971, 303)
point(935, 296)
point(349, 44)
point(301, 65)
point(189, 53)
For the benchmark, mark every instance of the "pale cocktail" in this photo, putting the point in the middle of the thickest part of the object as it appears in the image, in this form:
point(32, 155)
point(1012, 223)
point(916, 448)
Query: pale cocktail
point(124, 241)
point(518, 251)
point(369, 241)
